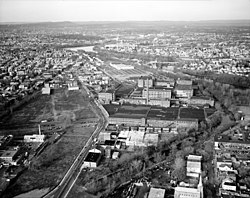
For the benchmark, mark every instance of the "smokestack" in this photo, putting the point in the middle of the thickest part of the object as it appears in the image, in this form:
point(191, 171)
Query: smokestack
point(39, 129)
point(147, 91)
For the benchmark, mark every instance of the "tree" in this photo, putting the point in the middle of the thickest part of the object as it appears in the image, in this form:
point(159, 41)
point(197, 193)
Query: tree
point(124, 159)
point(179, 163)
point(136, 164)
point(179, 174)
point(188, 150)
point(214, 120)
point(158, 157)
point(151, 150)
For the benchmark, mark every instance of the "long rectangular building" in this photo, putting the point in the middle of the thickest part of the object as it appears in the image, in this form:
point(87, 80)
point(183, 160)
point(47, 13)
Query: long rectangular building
point(154, 116)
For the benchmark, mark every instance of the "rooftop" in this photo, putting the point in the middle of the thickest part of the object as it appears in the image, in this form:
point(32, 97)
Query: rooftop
point(146, 77)
point(192, 113)
point(232, 138)
point(8, 153)
point(162, 113)
point(131, 111)
point(183, 87)
point(201, 98)
point(186, 189)
point(156, 193)
point(92, 157)
point(160, 88)
point(154, 112)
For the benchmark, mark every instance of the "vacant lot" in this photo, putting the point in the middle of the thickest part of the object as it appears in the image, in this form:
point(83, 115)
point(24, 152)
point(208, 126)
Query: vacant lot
point(70, 106)
point(47, 169)
point(26, 117)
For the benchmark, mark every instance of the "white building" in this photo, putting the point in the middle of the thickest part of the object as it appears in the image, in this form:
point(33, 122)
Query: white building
point(8, 156)
point(72, 85)
point(92, 159)
point(156, 193)
point(191, 189)
point(46, 90)
point(121, 66)
point(193, 164)
point(34, 138)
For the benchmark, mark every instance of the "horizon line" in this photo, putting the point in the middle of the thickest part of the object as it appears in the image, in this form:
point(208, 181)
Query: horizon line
point(103, 21)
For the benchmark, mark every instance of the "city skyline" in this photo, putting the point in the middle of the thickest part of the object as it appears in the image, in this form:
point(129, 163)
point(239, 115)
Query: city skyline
point(123, 10)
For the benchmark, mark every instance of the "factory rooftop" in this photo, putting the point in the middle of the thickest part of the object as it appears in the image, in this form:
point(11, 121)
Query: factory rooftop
point(132, 111)
point(244, 139)
point(162, 113)
point(193, 113)
point(92, 157)
point(154, 112)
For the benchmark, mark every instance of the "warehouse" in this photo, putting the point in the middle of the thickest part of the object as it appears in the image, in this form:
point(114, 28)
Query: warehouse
point(157, 93)
point(129, 115)
point(93, 158)
point(155, 116)
point(162, 117)
point(184, 91)
point(121, 66)
point(9, 156)
point(187, 123)
point(143, 101)
point(145, 81)
point(200, 101)
point(107, 96)
point(194, 113)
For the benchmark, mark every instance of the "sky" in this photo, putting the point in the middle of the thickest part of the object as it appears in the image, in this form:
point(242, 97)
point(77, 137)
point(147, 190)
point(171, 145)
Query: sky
point(122, 10)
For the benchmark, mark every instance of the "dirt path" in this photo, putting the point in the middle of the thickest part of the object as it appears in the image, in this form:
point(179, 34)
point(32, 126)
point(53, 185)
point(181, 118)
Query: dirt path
point(53, 107)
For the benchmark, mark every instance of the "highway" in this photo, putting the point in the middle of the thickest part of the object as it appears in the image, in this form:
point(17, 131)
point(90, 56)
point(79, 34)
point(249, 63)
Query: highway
point(68, 181)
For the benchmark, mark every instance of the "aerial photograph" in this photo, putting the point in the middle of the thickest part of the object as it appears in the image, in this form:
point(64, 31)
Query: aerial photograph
point(125, 99)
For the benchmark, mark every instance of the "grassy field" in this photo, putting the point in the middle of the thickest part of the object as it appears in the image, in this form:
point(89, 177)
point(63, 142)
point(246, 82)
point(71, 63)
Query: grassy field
point(79, 191)
point(27, 116)
point(47, 169)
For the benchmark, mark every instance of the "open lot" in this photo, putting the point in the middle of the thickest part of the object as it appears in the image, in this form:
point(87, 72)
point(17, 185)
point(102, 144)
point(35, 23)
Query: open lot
point(70, 106)
point(47, 169)
point(26, 117)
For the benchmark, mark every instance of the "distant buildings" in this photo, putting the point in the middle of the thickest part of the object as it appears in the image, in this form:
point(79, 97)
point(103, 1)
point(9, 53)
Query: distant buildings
point(46, 90)
point(121, 66)
point(157, 93)
point(200, 101)
point(145, 81)
point(73, 85)
point(144, 101)
point(105, 97)
point(230, 150)
point(183, 91)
